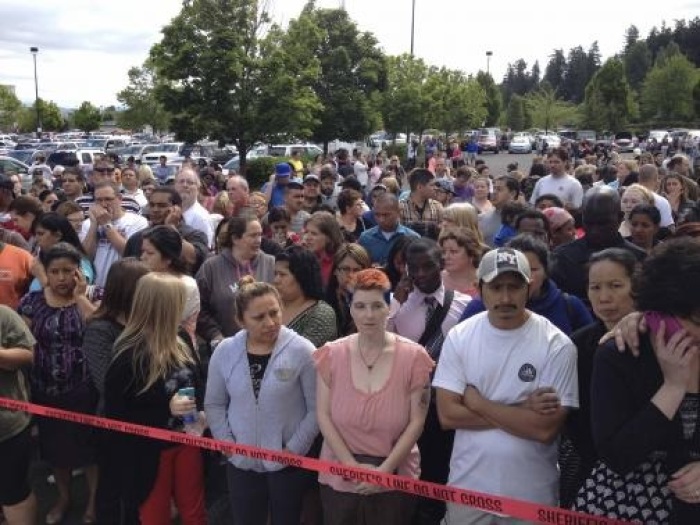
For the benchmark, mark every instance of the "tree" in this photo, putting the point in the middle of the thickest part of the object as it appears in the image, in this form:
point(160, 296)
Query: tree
point(352, 72)
point(696, 99)
point(460, 101)
point(631, 37)
point(637, 59)
point(218, 77)
point(547, 111)
point(493, 98)
point(556, 70)
point(667, 92)
point(10, 108)
point(609, 102)
point(515, 114)
point(403, 102)
point(142, 108)
point(87, 117)
point(51, 118)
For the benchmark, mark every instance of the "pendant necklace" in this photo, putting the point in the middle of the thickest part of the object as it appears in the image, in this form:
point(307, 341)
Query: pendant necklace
point(369, 366)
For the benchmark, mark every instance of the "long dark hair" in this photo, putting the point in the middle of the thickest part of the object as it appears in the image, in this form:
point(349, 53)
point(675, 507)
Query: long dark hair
point(169, 243)
point(56, 223)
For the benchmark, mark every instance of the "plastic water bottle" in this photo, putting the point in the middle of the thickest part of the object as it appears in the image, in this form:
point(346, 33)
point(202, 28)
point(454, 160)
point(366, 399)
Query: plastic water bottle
point(191, 423)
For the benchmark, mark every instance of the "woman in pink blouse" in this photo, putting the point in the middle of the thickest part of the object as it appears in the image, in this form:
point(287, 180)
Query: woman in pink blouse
point(373, 390)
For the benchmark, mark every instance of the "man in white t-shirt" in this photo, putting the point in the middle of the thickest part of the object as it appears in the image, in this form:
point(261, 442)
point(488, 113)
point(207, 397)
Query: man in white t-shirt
point(504, 382)
point(559, 182)
point(109, 229)
point(649, 178)
point(187, 184)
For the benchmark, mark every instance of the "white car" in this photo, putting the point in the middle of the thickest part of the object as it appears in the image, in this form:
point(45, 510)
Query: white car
point(553, 141)
point(151, 154)
point(286, 150)
point(520, 144)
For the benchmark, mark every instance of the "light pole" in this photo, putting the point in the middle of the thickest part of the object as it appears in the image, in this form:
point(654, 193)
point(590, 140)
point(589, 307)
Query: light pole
point(489, 54)
point(413, 24)
point(34, 51)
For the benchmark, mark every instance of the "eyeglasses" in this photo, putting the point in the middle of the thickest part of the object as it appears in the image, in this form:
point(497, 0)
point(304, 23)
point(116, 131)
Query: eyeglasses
point(348, 269)
point(103, 170)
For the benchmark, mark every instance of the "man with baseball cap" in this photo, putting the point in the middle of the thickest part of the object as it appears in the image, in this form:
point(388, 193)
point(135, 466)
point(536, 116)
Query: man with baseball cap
point(275, 188)
point(505, 380)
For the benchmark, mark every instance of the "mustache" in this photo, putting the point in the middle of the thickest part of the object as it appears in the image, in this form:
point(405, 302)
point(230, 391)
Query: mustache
point(505, 307)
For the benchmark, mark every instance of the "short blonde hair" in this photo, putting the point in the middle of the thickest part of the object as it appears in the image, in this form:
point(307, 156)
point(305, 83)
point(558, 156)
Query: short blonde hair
point(647, 195)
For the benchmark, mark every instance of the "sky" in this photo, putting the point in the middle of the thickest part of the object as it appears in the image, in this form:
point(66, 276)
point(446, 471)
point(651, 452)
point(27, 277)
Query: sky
point(86, 47)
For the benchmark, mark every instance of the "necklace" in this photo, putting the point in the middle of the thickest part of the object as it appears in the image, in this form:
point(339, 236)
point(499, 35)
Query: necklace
point(369, 366)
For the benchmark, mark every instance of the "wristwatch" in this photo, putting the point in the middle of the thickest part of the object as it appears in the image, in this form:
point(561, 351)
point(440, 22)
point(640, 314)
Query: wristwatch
point(108, 226)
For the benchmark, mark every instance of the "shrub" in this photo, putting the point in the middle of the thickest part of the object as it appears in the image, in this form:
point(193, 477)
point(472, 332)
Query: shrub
point(258, 171)
point(401, 150)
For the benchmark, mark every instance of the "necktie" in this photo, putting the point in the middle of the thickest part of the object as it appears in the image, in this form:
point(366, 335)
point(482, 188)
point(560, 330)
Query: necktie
point(431, 304)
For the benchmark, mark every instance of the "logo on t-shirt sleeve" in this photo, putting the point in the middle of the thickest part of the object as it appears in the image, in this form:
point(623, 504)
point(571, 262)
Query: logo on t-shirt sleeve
point(527, 373)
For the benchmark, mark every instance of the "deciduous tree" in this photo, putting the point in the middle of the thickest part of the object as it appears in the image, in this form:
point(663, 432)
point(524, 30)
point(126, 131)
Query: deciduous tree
point(224, 73)
point(87, 117)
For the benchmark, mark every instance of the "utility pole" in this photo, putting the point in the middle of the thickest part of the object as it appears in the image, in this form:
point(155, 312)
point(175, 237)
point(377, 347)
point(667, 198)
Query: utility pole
point(34, 51)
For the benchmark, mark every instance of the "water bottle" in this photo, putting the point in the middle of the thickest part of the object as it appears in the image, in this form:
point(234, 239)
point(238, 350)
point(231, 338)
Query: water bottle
point(191, 420)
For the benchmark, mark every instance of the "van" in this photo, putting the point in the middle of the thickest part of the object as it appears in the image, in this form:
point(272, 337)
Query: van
point(286, 150)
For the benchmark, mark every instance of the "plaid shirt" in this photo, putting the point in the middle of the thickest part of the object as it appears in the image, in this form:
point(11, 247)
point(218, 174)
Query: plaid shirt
point(430, 213)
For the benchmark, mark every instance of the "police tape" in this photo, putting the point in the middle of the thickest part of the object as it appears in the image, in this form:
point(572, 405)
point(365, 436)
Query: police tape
point(524, 510)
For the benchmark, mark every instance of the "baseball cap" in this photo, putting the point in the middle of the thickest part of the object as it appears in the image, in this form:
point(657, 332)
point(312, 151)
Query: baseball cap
point(557, 217)
point(282, 169)
point(311, 177)
point(445, 185)
point(295, 183)
point(500, 261)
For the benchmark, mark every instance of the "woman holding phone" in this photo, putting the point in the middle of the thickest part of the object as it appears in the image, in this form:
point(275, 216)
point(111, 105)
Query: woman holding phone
point(644, 410)
point(59, 378)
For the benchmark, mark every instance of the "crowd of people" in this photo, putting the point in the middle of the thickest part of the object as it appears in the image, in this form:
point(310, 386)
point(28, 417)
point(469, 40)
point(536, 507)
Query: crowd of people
point(442, 322)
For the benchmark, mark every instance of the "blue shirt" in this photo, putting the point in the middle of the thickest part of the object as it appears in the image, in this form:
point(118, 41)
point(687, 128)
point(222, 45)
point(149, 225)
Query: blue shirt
point(277, 195)
point(378, 246)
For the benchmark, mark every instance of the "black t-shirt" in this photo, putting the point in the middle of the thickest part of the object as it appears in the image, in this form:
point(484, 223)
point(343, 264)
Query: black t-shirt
point(257, 365)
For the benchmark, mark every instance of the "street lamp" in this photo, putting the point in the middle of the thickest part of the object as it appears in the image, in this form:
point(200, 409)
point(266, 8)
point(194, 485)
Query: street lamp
point(34, 51)
point(489, 54)
point(413, 24)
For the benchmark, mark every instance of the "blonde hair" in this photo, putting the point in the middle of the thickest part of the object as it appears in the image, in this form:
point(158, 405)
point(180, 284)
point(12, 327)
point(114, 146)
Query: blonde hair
point(145, 172)
point(647, 195)
point(151, 331)
point(631, 165)
point(392, 185)
point(221, 203)
point(464, 215)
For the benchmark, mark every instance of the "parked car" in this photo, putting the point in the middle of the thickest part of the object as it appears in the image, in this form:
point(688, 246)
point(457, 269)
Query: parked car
point(232, 165)
point(9, 165)
point(520, 144)
point(151, 154)
point(624, 142)
point(488, 141)
point(286, 150)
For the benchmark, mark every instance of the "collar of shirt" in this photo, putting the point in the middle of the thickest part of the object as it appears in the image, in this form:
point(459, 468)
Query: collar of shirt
point(417, 298)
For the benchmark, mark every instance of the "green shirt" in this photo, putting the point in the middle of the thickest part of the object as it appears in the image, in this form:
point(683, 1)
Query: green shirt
point(14, 333)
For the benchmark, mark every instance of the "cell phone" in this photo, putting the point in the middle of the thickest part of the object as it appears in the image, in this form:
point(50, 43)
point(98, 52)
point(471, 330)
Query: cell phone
point(654, 319)
point(186, 392)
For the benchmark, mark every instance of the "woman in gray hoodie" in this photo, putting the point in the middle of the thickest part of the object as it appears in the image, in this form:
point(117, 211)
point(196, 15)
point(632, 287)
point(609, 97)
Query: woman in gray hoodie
point(261, 391)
